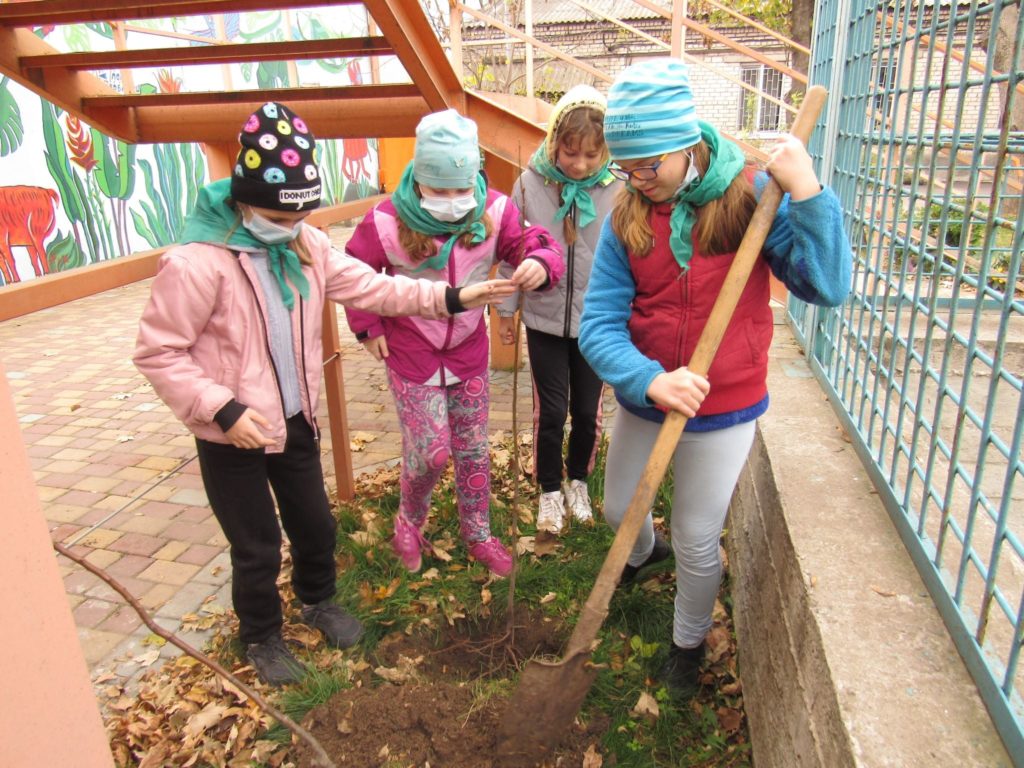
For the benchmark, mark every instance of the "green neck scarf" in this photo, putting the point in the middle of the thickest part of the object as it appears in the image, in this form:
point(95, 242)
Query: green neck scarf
point(214, 221)
point(407, 203)
point(573, 190)
point(727, 162)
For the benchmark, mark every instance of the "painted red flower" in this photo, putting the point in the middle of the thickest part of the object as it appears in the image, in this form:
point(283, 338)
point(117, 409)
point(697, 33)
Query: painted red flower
point(168, 83)
point(79, 143)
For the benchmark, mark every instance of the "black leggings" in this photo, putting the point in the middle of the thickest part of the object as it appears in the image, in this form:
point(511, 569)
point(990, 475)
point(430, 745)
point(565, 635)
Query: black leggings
point(238, 483)
point(563, 384)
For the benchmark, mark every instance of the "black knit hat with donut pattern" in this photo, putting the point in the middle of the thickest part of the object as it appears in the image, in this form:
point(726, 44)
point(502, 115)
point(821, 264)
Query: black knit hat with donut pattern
point(277, 166)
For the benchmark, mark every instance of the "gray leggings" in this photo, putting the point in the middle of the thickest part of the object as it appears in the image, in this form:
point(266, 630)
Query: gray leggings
point(705, 466)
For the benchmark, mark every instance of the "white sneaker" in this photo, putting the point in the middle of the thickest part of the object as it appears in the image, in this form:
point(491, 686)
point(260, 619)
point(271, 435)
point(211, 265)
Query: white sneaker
point(579, 501)
point(552, 508)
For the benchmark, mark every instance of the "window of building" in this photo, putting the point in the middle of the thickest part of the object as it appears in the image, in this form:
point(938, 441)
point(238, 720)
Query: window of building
point(758, 114)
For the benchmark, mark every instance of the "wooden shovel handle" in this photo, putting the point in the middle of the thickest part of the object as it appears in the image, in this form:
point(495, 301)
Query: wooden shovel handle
point(596, 608)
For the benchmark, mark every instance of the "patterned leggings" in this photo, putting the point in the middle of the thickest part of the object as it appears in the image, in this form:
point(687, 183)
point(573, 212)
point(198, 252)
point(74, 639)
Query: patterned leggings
point(437, 422)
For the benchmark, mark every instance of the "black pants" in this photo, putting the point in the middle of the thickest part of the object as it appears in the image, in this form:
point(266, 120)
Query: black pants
point(563, 383)
point(238, 483)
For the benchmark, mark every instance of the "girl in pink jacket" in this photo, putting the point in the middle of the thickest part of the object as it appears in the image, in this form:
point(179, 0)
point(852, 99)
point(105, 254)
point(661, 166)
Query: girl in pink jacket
point(231, 341)
point(443, 223)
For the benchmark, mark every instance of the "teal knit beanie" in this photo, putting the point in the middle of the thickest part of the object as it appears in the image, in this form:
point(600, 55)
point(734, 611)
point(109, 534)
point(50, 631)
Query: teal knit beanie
point(650, 110)
point(447, 154)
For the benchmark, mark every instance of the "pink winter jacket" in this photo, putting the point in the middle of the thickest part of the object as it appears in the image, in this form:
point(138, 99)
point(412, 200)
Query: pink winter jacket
point(203, 341)
point(418, 347)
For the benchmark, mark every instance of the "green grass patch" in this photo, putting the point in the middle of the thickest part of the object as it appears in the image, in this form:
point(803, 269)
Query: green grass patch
point(451, 591)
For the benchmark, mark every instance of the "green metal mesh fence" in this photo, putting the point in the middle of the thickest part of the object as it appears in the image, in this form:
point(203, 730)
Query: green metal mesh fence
point(923, 141)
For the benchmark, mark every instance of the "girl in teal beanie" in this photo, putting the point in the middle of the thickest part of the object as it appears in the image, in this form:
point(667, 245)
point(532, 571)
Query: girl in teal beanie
point(443, 223)
point(661, 262)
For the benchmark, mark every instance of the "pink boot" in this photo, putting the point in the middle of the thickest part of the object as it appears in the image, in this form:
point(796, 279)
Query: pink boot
point(493, 555)
point(409, 543)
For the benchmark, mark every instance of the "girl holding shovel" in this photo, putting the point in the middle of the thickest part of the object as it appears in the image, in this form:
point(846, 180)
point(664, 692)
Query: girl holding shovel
point(660, 264)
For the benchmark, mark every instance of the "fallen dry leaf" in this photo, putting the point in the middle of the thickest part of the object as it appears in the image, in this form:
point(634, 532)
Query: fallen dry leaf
point(545, 544)
point(358, 439)
point(210, 715)
point(729, 719)
point(882, 592)
point(364, 538)
point(147, 659)
point(646, 708)
point(718, 643)
point(592, 758)
point(548, 598)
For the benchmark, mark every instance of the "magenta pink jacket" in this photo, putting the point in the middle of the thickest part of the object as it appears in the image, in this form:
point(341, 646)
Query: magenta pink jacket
point(203, 342)
point(417, 346)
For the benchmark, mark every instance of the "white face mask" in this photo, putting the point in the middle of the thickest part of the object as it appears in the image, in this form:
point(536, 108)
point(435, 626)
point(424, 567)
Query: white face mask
point(449, 209)
point(692, 174)
point(266, 231)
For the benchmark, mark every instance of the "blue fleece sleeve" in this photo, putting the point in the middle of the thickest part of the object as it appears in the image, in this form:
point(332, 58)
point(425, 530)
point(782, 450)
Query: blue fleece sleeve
point(604, 332)
point(807, 247)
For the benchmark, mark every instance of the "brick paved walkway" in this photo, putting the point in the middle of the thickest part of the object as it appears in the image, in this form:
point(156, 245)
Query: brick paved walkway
point(117, 474)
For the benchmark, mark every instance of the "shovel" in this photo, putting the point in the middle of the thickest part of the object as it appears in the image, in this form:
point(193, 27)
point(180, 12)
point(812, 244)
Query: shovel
point(544, 705)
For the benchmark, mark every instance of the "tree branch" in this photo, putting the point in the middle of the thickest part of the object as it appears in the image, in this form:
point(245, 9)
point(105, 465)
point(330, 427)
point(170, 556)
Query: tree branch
point(321, 759)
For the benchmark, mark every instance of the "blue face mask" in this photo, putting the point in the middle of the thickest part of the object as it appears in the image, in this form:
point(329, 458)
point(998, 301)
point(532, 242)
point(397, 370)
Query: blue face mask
point(266, 231)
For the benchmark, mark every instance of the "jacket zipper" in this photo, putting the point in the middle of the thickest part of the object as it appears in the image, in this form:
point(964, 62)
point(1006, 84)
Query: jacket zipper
point(569, 273)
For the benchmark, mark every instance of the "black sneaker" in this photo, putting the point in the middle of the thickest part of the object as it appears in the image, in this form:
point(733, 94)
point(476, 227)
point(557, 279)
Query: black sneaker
point(681, 671)
point(340, 629)
point(273, 662)
point(662, 550)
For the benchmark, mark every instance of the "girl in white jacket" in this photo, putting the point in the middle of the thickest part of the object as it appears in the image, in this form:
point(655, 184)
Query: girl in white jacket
point(231, 341)
point(568, 190)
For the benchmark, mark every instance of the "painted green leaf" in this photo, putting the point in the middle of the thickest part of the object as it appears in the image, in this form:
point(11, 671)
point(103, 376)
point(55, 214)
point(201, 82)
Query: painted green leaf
point(12, 130)
point(63, 253)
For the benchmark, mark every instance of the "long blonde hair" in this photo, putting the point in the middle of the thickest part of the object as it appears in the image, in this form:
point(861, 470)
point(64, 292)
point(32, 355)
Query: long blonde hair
point(578, 125)
point(720, 223)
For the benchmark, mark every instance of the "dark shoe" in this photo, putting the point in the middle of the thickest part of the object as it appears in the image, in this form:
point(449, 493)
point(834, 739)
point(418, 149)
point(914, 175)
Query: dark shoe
point(273, 662)
point(340, 629)
point(662, 550)
point(681, 671)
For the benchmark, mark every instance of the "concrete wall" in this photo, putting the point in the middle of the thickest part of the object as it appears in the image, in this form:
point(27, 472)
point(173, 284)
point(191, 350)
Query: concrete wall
point(843, 656)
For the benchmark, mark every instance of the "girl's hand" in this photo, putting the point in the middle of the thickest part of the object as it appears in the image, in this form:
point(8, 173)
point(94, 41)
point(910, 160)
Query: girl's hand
point(680, 390)
point(530, 275)
point(245, 433)
point(790, 165)
point(377, 346)
point(507, 329)
point(487, 292)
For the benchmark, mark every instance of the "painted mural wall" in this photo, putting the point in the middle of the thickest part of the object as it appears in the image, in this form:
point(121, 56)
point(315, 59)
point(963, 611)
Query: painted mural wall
point(71, 196)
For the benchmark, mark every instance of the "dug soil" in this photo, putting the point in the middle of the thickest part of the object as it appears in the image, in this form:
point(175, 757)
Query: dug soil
point(437, 701)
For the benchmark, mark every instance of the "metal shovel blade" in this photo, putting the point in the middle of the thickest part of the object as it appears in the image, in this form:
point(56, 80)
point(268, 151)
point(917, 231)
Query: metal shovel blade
point(543, 708)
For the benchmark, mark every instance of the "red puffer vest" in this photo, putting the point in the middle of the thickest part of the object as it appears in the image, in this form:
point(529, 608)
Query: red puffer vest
point(672, 306)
